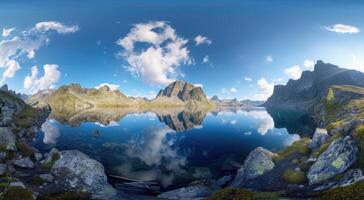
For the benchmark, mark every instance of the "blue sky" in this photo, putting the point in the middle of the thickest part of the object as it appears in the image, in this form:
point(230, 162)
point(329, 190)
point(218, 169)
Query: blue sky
point(248, 46)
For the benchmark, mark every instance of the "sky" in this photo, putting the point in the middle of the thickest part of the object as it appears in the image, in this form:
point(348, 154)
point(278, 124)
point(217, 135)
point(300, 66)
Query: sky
point(233, 49)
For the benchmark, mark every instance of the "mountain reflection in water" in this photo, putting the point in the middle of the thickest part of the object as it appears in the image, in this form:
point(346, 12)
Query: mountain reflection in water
point(173, 146)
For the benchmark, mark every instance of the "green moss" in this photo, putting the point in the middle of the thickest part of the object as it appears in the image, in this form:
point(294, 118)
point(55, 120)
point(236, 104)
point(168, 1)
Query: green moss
point(66, 196)
point(352, 192)
point(37, 180)
point(334, 125)
point(25, 149)
point(47, 166)
point(17, 193)
point(300, 146)
point(294, 177)
point(242, 194)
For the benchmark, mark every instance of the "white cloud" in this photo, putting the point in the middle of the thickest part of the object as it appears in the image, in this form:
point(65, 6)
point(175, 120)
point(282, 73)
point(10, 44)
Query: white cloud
point(111, 86)
point(269, 58)
point(56, 26)
point(293, 72)
point(343, 29)
point(265, 88)
point(12, 50)
point(51, 132)
point(202, 40)
point(159, 62)
point(198, 85)
point(33, 84)
point(205, 59)
point(233, 90)
point(248, 79)
point(309, 65)
point(6, 32)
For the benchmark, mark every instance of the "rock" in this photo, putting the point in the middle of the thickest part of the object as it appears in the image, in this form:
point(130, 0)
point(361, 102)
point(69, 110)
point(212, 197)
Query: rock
point(17, 184)
point(188, 193)
point(223, 181)
point(3, 155)
point(336, 159)
point(2, 169)
point(319, 137)
point(258, 162)
point(77, 170)
point(7, 139)
point(351, 176)
point(24, 163)
point(38, 156)
point(183, 91)
point(47, 177)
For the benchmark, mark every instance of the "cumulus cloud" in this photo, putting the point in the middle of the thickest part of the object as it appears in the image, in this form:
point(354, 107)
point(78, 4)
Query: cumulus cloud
point(205, 59)
point(293, 72)
point(202, 40)
point(233, 90)
point(27, 43)
point(56, 26)
point(162, 54)
point(6, 32)
point(248, 79)
point(33, 84)
point(309, 65)
point(111, 86)
point(51, 132)
point(269, 58)
point(265, 88)
point(343, 29)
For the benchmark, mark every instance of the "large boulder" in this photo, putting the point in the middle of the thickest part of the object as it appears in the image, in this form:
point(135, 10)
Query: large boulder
point(188, 193)
point(76, 170)
point(340, 155)
point(319, 137)
point(7, 139)
point(258, 162)
point(24, 163)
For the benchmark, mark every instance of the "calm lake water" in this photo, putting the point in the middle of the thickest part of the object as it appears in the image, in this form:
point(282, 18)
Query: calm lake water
point(174, 148)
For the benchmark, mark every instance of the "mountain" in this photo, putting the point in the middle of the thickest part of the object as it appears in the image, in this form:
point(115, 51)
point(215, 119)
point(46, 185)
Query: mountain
point(312, 86)
point(73, 97)
point(182, 93)
point(229, 103)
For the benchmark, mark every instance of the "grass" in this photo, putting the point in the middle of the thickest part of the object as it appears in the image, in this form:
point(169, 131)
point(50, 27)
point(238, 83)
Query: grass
point(242, 194)
point(69, 195)
point(25, 149)
point(352, 192)
point(294, 177)
point(26, 118)
point(300, 146)
point(17, 193)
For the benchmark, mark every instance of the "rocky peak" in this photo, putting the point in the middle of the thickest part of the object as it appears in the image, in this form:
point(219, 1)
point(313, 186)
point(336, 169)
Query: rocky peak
point(4, 87)
point(104, 88)
point(184, 91)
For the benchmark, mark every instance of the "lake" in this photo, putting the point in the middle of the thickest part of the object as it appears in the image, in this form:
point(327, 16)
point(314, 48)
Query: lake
point(173, 147)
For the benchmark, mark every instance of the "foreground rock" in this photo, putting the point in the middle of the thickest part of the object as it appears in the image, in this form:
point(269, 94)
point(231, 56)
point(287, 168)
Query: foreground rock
point(188, 193)
point(258, 162)
point(7, 139)
point(77, 171)
point(319, 137)
point(340, 155)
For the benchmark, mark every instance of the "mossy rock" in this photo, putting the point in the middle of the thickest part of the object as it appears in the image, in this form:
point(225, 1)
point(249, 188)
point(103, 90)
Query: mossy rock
point(352, 192)
point(66, 196)
point(37, 180)
point(47, 166)
point(17, 193)
point(325, 145)
point(359, 138)
point(294, 177)
point(242, 194)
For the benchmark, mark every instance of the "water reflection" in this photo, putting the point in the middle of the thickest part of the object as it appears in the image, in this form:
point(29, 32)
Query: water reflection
point(169, 146)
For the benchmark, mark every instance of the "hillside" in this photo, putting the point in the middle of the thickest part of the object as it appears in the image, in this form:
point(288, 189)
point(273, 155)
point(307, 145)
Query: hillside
point(306, 91)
